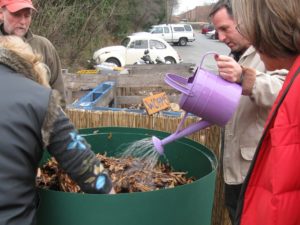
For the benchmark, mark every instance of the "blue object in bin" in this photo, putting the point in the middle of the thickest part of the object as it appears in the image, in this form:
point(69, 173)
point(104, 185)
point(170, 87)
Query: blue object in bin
point(101, 95)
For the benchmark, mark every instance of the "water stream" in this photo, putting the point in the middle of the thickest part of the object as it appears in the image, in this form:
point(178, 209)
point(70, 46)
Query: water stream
point(145, 153)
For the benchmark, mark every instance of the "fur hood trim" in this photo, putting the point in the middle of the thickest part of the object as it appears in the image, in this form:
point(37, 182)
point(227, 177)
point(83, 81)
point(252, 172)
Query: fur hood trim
point(53, 112)
point(18, 55)
point(17, 63)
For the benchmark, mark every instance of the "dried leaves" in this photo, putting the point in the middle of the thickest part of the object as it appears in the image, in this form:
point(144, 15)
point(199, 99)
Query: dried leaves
point(126, 173)
point(50, 176)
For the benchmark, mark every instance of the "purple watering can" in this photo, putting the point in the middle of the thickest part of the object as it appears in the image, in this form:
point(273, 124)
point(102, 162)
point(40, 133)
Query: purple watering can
point(206, 95)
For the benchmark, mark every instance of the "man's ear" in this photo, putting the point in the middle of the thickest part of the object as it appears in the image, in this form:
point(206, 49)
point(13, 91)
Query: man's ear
point(1, 15)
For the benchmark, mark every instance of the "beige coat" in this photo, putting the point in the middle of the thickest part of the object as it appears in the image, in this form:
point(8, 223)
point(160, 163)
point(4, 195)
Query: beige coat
point(243, 131)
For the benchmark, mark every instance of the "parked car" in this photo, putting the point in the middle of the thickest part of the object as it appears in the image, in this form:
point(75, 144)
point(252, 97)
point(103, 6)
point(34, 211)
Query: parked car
point(212, 34)
point(206, 28)
point(146, 59)
point(174, 33)
point(132, 48)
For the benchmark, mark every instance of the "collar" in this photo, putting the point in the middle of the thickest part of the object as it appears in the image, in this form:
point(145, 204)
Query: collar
point(248, 52)
point(239, 55)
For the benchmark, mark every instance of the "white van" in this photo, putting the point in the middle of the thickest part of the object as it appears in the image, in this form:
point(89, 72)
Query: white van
point(174, 33)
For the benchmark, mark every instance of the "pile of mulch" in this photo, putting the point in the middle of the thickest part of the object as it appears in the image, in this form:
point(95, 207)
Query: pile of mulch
point(127, 175)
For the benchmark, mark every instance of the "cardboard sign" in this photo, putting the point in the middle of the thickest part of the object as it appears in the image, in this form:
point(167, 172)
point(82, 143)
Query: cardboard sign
point(156, 103)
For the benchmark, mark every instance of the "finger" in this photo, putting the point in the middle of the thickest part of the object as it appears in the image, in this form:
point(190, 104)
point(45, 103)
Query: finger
point(224, 58)
point(227, 76)
point(224, 64)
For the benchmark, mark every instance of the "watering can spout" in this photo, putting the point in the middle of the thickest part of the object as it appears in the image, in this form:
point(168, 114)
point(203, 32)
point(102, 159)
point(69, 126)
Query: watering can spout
point(158, 144)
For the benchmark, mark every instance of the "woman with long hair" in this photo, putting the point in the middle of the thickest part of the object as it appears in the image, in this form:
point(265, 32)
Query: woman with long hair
point(271, 192)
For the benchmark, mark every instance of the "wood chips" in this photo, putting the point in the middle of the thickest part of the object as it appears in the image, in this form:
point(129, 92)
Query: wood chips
point(127, 175)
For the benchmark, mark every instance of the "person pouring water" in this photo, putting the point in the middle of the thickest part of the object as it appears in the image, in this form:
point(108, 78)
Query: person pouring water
point(259, 88)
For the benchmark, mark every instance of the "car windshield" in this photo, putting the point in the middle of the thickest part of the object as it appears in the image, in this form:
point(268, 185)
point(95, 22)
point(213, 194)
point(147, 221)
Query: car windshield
point(157, 30)
point(125, 42)
point(187, 27)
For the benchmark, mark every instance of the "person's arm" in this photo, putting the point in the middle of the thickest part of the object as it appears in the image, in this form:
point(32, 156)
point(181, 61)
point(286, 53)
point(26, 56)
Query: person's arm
point(46, 49)
point(56, 80)
point(263, 88)
point(73, 153)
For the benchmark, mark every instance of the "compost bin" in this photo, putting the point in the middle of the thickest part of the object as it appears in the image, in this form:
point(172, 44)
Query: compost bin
point(189, 204)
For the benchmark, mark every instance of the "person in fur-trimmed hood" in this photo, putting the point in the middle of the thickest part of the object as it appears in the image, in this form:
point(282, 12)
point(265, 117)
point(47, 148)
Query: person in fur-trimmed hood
point(30, 121)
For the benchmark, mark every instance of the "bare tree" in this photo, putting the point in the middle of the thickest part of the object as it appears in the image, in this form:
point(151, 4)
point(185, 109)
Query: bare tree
point(170, 6)
point(77, 27)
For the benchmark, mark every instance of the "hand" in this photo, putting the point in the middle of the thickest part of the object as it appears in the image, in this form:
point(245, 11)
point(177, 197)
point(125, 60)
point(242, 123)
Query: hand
point(229, 69)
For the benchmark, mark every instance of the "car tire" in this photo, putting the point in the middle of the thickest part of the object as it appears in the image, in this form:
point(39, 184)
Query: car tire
point(169, 60)
point(114, 61)
point(182, 41)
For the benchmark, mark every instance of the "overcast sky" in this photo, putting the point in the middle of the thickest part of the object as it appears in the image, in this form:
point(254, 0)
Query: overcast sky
point(185, 5)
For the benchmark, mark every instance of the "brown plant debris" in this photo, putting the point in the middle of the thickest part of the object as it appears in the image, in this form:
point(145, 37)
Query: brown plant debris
point(127, 175)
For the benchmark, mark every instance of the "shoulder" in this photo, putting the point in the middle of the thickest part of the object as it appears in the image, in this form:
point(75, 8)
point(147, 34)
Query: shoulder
point(40, 38)
point(37, 41)
point(251, 59)
point(32, 87)
point(43, 46)
point(250, 52)
point(29, 91)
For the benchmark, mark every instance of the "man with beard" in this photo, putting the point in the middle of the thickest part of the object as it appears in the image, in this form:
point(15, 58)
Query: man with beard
point(16, 19)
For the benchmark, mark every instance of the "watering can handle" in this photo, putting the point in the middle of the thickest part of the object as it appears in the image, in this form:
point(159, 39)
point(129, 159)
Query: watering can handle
point(177, 82)
point(206, 54)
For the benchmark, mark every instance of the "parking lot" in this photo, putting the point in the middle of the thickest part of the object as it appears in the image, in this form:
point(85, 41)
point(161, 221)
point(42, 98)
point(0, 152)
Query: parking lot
point(194, 51)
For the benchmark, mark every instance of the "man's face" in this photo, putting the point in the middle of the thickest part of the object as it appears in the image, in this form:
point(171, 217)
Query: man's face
point(225, 26)
point(17, 23)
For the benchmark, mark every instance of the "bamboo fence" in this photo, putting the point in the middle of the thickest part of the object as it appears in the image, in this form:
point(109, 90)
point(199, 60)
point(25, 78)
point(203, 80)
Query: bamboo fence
point(209, 137)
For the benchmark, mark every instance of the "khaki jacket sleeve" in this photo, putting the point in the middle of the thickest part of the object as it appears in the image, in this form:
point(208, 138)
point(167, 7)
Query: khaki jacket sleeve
point(267, 86)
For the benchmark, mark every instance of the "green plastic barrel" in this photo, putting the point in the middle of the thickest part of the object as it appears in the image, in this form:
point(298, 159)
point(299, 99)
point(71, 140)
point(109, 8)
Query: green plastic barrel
point(189, 204)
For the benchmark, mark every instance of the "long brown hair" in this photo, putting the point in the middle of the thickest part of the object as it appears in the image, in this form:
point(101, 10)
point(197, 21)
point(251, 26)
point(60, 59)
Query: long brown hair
point(272, 26)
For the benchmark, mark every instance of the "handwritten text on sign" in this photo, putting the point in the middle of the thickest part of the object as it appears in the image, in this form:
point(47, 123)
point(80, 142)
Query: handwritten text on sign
point(156, 103)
